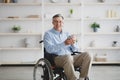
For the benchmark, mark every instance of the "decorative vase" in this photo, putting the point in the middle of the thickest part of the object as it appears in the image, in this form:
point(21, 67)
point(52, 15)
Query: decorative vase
point(101, 0)
point(69, 1)
point(6, 1)
point(14, 1)
point(28, 43)
point(114, 44)
point(117, 29)
point(95, 29)
point(92, 44)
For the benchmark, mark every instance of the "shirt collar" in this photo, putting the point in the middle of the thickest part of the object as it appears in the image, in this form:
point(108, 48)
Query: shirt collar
point(57, 32)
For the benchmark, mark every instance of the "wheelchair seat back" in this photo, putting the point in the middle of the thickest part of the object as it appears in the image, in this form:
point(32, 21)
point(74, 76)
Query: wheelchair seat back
point(50, 57)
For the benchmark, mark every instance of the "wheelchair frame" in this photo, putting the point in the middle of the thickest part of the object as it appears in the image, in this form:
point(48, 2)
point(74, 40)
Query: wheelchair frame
point(50, 72)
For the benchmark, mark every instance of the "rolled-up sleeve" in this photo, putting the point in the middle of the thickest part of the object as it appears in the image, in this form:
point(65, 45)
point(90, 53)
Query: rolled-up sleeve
point(74, 47)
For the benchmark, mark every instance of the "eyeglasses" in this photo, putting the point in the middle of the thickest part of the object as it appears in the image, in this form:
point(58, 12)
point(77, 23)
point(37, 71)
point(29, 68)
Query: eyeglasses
point(55, 21)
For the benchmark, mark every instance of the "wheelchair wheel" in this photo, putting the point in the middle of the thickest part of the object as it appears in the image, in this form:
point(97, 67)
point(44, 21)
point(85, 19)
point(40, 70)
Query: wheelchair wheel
point(86, 78)
point(42, 70)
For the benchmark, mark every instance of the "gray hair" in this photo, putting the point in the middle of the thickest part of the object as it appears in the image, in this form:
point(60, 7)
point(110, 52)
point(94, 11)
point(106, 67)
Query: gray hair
point(57, 15)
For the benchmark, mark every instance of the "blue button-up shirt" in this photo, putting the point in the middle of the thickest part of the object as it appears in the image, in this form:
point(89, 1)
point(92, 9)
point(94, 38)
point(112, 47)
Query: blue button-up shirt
point(54, 43)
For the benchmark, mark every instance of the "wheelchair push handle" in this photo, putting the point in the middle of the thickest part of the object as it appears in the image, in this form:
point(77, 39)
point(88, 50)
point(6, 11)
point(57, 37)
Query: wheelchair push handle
point(41, 41)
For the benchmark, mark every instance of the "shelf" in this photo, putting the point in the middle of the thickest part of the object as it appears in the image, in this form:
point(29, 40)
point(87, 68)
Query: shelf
point(104, 3)
point(20, 4)
point(16, 34)
point(20, 19)
point(102, 33)
point(89, 19)
point(33, 62)
point(108, 62)
point(20, 48)
point(67, 19)
point(72, 19)
point(62, 4)
point(103, 48)
point(18, 63)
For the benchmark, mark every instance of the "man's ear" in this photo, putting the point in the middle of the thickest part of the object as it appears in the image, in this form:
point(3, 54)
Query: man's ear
point(52, 22)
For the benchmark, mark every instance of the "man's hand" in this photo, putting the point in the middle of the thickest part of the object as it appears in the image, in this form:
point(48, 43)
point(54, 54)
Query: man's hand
point(70, 40)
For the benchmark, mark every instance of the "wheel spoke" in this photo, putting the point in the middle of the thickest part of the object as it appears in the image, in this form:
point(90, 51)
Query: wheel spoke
point(42, 70)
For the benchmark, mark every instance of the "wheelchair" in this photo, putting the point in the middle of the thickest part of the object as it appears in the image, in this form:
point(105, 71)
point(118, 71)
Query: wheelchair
point(45, 68)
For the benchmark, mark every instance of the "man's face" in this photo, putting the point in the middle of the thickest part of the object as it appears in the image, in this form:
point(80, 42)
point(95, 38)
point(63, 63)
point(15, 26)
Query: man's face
point(58, 23)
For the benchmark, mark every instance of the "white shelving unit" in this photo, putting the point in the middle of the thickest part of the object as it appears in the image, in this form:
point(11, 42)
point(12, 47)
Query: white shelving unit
point(98, 12)
point(12, 44)
point(85, 13)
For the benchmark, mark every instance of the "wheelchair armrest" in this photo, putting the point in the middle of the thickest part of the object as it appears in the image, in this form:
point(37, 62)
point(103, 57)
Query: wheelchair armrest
point(76, 52)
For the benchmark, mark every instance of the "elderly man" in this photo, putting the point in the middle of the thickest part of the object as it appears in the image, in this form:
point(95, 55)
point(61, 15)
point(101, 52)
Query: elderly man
point(62, 44)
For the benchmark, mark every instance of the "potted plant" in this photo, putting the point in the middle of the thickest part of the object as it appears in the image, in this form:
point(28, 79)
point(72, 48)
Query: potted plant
point(95, 26)
point(71, 12)
point(16, 28)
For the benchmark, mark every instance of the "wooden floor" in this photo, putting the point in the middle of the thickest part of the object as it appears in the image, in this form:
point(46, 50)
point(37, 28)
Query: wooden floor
point(26, 73)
